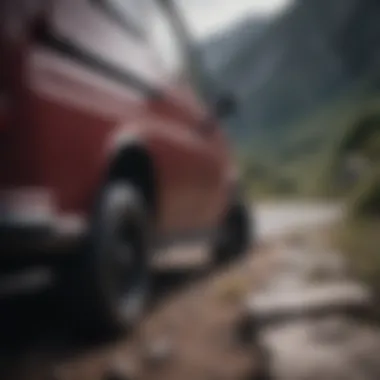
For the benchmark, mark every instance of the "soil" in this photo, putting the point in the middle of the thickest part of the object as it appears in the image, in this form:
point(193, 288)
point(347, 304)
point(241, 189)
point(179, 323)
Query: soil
point(190, 332)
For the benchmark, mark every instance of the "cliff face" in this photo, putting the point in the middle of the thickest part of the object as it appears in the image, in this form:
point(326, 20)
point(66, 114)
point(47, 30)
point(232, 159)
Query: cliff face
point(282, 70)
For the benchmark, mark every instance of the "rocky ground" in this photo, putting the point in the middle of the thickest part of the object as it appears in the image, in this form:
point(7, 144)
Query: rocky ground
point(191, 332)
point(289, 310)
point(313, 319)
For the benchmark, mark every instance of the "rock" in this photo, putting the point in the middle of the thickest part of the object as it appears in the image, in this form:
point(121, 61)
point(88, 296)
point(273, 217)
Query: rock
point(332, 329)
point(284, 281)
point(311, 349)
point(313, 264)
point(302, 317)
point(121, 369)
point(364, 351)
point(295, 355)
point(308, 300)
point(308, 282)
point(327, 266)
point(159, 352)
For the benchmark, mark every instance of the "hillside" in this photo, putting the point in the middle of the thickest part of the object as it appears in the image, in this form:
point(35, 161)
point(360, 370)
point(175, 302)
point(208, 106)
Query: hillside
point(286, 70)
point(222, 48)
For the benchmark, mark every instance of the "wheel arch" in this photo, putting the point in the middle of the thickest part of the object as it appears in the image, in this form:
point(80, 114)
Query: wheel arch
point(133, 162)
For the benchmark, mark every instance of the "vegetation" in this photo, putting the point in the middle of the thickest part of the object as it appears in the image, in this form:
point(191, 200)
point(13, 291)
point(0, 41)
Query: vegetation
point(310, 125)
point(359, 237)
point(359, 241)
point(340, 160)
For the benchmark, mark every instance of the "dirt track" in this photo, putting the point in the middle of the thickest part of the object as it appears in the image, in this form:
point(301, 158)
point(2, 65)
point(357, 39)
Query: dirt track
point(191, 323)
point(194, 316)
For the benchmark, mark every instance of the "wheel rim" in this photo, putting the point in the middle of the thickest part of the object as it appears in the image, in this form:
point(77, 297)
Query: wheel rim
point(128, 271)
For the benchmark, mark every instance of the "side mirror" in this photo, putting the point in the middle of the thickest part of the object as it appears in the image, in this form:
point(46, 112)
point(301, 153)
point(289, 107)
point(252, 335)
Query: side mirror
point(225, 105)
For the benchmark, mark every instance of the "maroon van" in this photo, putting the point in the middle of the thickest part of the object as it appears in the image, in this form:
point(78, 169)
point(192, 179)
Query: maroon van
point(108, 150)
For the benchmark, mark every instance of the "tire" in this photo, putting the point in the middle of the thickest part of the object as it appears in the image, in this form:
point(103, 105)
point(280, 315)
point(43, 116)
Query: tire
point(235, 236)
point(109, 281)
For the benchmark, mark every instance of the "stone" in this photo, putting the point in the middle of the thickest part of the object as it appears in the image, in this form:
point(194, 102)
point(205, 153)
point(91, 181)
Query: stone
point(295, 355)
point(121, 366)
point(313, 263)
point(364, 351)
point(282, 282)
point(159, 352)
point(308, 300)
point(302, 316)
point(297, 350)
point(121, 369)
point(332, 329)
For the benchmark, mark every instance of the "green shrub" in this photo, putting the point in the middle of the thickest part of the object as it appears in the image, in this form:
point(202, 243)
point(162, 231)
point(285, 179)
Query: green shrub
point(360, 241)
point(364, 201)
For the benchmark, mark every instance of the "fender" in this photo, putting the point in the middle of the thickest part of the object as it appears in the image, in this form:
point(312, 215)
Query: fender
point(234, 181)
point(124, 138)
point(125, 147)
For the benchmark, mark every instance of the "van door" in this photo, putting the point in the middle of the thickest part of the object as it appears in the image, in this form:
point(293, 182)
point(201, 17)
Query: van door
point(199, 165)
point(90, 74)
point(95, 74)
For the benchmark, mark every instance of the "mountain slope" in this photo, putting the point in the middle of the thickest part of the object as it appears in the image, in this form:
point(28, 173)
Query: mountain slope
point(286, 69)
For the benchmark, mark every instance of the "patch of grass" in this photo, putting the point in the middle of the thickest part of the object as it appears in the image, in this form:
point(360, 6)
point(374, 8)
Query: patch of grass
point(359, 240)
point(364, 201)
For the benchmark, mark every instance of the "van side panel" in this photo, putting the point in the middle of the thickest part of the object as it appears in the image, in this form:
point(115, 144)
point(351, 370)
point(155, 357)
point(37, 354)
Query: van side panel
point(17, 142)
point(75, 92)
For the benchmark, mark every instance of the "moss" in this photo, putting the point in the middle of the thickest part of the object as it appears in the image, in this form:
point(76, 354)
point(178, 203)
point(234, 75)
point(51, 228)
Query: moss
point(360, 241)
point(364, 200)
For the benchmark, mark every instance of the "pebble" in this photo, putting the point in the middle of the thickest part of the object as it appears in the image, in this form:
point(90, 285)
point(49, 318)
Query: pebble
point(159, 352)
point(121, 369)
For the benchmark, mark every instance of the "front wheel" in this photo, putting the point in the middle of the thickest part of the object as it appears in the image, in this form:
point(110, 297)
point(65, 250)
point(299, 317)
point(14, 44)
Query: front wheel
point(109, 281)
point(236, 233)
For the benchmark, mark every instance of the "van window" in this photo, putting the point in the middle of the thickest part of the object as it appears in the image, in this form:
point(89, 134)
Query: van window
point(130, 14)
point(165, 42)
point(94, 38)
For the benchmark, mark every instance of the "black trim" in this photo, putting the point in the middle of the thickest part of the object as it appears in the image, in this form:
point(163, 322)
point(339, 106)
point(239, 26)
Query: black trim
point(18, 233)
point(46, 37)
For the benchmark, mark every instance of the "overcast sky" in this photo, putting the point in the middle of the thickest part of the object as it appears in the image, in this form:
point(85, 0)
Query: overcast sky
point(207, 16)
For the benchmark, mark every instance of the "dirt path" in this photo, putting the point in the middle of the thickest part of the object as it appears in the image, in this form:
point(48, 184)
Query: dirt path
point(189, 334)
